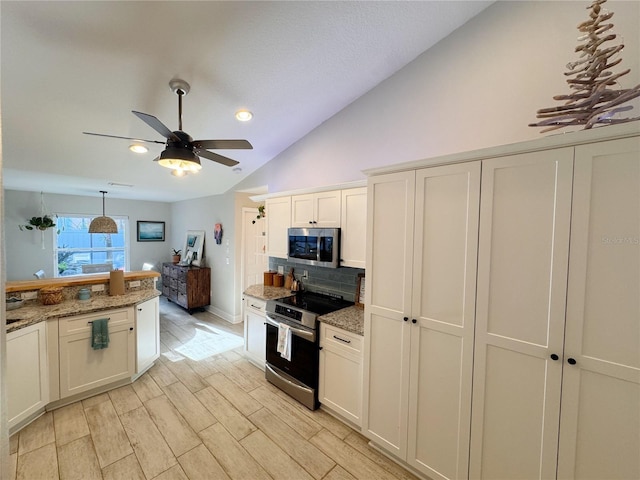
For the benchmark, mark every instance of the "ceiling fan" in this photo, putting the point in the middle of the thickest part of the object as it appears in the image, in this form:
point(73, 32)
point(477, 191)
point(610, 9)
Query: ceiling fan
point(182, 152)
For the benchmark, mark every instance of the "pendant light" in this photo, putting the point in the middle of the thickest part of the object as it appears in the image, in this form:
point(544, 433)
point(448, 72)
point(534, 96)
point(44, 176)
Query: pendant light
point(103, 224)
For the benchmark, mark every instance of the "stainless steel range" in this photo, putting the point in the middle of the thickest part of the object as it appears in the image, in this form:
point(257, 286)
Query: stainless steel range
point(298, 376)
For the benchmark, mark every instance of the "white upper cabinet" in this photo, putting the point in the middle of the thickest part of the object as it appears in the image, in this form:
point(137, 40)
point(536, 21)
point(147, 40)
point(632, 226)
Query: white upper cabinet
point(316, 210)
point(278, 215)
point(353, 228)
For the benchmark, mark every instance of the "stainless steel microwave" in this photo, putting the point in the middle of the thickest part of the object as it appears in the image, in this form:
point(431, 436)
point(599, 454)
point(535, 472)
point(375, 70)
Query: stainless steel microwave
point(315, 246)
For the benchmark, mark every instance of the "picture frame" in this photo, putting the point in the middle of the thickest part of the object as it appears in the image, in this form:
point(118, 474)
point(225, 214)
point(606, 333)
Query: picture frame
point(150, 231)
point(193, 252)
point(360, 291)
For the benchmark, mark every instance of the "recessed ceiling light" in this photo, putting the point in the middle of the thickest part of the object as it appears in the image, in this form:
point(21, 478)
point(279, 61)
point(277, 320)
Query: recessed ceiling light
point(137, 148)
point(244, 115)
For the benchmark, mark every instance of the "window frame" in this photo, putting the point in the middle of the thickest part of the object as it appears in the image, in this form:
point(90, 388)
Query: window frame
point(126, 247)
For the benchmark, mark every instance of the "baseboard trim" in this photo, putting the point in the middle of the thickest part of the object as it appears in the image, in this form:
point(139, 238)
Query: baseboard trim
point(224, 315)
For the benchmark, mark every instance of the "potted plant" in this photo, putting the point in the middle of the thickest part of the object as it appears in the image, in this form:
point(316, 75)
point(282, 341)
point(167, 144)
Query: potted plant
point(261, 213)
point(176, 255)
point(39, 223)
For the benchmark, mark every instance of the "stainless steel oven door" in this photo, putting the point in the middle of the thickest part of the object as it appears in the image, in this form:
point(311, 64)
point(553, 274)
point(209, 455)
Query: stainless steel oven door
point(298, 377)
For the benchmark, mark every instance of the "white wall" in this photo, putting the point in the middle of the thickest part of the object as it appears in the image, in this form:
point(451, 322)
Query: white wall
point(24, 248)
point(479, 87)
point(203, 214)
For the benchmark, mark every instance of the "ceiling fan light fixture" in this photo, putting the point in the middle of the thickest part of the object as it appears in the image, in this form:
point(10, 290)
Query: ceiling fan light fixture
point(180, 159)
point(178, 172)
point(137, 148)
point(103, 224)
point(244, 115)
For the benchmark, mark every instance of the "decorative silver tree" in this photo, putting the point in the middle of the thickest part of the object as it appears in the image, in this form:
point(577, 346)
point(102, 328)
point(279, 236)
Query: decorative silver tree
point(592, 101)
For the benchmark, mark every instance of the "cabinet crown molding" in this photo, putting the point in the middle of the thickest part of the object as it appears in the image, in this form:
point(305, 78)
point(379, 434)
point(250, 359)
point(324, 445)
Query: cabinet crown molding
point(302, 191)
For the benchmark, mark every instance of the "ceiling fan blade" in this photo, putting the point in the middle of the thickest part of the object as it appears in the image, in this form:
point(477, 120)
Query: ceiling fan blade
point(124, 138)
point(215, 157)
point(156, 124)
point(223, 144)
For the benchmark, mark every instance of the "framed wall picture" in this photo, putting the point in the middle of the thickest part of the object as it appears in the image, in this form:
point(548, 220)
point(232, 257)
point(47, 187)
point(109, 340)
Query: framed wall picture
point(360, 291)
point(193, 248)
point(149, 231)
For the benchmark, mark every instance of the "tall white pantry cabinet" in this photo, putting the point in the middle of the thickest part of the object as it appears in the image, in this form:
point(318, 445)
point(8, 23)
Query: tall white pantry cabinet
point(502, 311)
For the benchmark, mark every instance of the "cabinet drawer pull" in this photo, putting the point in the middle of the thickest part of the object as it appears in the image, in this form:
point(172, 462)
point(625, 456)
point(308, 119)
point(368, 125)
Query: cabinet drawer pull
point(342, 339)
point(91, 322)
point(257, 307)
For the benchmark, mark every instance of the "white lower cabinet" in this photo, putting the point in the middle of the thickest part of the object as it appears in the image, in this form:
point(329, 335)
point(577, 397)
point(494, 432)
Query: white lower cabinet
point(147, 334)
point(27, 374)
point(81, 367)
point(255, 330)
point(340, 382)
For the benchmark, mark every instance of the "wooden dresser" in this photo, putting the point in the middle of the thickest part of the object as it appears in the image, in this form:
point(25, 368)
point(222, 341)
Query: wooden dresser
point(186, 286)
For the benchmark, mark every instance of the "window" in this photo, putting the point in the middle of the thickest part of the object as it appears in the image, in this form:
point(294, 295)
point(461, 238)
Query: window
point(77, 252)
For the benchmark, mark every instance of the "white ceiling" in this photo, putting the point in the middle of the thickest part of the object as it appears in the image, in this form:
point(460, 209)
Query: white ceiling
point(69, 67)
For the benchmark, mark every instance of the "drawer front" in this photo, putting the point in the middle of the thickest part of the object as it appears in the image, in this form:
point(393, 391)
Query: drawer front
point(81, 324)
point(256, 304)
point(166, 270)
point(182, 287)
point(182, 300)
point(166, 290)
point(340, 339)
point(173, 283)
point(181, 275)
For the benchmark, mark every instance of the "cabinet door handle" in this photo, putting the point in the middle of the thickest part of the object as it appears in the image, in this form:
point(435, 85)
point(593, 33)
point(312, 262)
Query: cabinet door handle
point(571, 361)
point(131, 329)
point(91, 321)
point(342, 339)
point(554, 356)
point(139, 309)
point(406, 319)
point(413, 320)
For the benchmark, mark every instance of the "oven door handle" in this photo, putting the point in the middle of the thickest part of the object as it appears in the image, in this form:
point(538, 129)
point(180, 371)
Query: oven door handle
point(311, 336)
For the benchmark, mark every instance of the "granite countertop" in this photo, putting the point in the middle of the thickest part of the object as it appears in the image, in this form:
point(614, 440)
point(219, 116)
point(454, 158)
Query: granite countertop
point(350, 319)
point(267, 293)
point(35, 313)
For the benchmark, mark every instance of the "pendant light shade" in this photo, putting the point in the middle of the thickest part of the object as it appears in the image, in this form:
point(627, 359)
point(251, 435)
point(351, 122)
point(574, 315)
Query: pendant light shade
point(103, 224)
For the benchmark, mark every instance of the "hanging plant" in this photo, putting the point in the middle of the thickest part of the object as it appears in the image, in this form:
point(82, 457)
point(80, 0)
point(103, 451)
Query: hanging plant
point(39, 223)
point(261, 213)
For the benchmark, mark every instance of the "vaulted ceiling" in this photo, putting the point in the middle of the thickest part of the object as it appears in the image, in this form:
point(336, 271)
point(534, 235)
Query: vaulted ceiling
point(69, 67)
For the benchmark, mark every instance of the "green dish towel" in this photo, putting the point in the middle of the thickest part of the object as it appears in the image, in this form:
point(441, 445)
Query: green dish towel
point(100, 334)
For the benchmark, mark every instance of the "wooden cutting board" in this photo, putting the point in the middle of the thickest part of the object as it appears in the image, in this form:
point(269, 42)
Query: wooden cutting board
point(288, 281)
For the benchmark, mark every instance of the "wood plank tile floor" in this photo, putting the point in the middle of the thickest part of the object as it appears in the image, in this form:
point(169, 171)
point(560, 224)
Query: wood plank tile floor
point(194, 417)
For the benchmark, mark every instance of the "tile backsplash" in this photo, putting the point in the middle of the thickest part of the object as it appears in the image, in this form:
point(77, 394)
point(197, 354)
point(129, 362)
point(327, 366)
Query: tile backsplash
point(339, 281)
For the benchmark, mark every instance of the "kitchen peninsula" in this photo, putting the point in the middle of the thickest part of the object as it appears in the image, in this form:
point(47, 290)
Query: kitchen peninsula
point(51, 359)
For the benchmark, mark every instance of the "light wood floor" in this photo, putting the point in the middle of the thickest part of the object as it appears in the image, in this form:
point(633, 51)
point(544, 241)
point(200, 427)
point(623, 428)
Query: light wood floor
point(211, 418)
